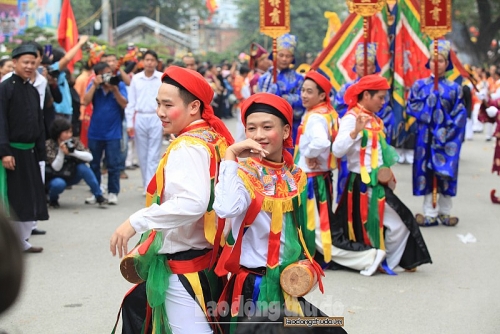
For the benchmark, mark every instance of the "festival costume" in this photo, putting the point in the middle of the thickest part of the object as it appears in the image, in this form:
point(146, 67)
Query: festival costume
point(369, 214)
point(288, 83)
point(22, 192)
point(496, 158)
point(180, 226)
point(314, 140)
point(440, 131)
point(385, 113)
point(266, 203)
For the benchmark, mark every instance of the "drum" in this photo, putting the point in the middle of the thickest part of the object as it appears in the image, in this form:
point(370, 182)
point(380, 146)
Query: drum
point(127, 267)
point(299, 278)
point(386, 178)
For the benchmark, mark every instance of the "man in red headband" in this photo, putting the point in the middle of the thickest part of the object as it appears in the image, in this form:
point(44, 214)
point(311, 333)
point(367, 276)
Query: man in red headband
point(313, 154)
point(179, 206)
point(369, 214)
point(261, 195)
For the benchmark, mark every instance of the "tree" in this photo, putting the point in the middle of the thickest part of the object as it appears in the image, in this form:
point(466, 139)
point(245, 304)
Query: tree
point(483, 15)
point(173, 13)
point(307, 23)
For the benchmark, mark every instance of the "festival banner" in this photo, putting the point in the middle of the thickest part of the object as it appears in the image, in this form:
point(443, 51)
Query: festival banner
point(435, 17)
point(337, 59)
point(274, 17)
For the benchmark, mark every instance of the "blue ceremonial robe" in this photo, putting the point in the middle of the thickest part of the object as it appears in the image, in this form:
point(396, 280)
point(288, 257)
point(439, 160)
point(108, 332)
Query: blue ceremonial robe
point(288, 85)
point(440, 132)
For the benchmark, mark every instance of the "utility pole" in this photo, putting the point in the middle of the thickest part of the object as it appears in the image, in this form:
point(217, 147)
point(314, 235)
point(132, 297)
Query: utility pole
point(105, 15)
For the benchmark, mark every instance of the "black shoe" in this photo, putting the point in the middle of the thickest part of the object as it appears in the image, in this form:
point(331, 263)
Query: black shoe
point(54, 204)
point(101, 200)
point(38, 232)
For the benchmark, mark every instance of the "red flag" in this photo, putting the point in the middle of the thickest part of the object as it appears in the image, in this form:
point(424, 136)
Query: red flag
point(67, 32)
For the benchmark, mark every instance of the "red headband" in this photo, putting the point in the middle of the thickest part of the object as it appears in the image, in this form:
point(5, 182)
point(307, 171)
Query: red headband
point(321, 81)
point(196, 84)
point(368, 82)
point(279, 104)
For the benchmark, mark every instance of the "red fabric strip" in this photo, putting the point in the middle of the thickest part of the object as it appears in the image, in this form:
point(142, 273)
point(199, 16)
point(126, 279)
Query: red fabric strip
point(190, 266)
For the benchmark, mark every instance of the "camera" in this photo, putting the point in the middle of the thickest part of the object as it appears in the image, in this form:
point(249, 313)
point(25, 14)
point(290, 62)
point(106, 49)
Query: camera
point(70, 145)
point(109, 79)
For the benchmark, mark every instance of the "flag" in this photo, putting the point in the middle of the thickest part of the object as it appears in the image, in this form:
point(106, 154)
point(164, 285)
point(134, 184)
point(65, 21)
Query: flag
point(212, 6)
point(67, 32)
point(337, 59)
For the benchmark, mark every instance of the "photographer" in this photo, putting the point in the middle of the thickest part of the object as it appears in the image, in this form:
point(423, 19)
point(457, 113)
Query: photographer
point(105, 130)
point(66, 163)
point(57, 76)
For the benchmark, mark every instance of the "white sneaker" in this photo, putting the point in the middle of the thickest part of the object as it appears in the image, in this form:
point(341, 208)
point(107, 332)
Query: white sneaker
point(90, 200)
point(112, 199)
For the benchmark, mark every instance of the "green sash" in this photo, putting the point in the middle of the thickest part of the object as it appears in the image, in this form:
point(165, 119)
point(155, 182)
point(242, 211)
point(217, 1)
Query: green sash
point(4, 201)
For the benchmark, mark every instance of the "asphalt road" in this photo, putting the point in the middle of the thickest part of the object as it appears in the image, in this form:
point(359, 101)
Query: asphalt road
point(75, 285)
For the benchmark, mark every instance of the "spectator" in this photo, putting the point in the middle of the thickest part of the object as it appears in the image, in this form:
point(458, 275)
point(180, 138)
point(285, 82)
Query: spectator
point(190, 62)
point(142, 122)
point(6, 66)
point(60, 61)
point(105, 130)
point(22, 147)
point(64, 152)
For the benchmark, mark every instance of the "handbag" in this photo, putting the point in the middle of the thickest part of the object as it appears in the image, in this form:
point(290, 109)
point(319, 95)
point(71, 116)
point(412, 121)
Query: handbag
point(67, 172)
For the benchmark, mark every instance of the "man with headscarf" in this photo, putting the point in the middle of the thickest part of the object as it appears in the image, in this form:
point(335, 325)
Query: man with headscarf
point(22, 147)
point(262, 196)
point(288, 82)
point(369, 214)
point(179, 207)
point(314, 156)
point(385, 113)
point(441, 118)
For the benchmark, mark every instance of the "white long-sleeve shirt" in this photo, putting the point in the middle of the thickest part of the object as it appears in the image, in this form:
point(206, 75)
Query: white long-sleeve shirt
point(232, 201)
point(345, 145)
point(184, 203)
point(142, 95)
point(315, 143)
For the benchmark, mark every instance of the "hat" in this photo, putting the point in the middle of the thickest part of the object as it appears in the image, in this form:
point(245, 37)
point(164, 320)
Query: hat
point(371, 55)
point(274, 105)
point(257, 52)
point(322, 81)
point(286, 42)
point(24, 49)
point(196, 84)
point(368, 82)
point(444, 49)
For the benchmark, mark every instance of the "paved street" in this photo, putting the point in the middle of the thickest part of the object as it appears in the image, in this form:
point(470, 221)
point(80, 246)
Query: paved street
point(75, 285)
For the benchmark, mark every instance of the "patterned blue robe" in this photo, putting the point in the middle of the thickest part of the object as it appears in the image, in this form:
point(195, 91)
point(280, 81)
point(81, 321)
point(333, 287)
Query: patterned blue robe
point(440, 132)
point(288, 85)
point(385, 114)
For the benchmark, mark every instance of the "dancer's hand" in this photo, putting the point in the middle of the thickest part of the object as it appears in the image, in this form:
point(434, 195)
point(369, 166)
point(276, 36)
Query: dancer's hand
point(9, 162)
point(245, 149)
point(312, 163)
point(120, 238)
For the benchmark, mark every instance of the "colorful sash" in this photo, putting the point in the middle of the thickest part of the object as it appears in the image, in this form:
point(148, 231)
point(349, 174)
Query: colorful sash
point(372, 214)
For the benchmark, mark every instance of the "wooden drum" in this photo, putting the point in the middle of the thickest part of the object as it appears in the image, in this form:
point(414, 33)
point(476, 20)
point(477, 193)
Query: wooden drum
point(299, 278)
point(386, 178)
point(127, 267)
